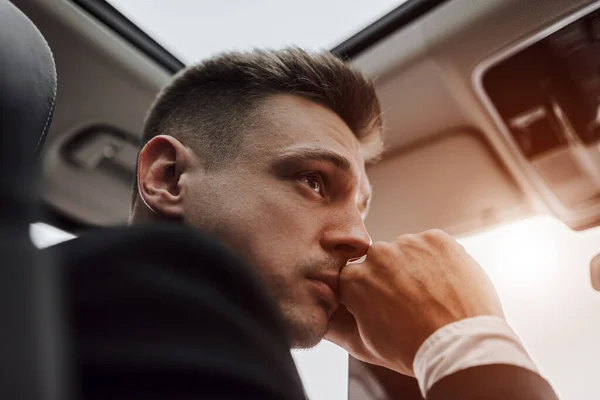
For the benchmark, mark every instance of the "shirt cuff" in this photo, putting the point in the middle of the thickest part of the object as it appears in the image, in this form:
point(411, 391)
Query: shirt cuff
point(468, 343)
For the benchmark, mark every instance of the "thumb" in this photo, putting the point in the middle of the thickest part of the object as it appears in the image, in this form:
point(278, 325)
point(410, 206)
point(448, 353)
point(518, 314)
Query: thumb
point(343, 329)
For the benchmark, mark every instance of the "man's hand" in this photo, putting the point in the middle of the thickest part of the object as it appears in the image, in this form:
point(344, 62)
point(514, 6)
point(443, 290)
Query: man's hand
point(403, 293)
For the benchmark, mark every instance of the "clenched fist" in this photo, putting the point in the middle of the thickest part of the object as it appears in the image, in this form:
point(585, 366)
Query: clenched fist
point(403, 293)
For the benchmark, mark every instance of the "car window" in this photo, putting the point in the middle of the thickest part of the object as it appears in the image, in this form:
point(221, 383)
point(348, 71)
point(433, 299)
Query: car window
point(44, 235)
point(193, 29)
point(541, 270)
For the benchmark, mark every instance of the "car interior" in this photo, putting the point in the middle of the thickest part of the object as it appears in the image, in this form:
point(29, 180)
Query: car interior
point(492, 115)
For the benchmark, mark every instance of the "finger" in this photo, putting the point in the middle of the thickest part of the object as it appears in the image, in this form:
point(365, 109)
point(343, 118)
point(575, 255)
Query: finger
point(344, 332)
point(342, 328)
point(351, 277)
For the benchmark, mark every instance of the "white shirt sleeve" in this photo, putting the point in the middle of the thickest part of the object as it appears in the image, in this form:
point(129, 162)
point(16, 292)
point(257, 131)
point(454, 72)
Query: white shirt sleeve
point(468, 343)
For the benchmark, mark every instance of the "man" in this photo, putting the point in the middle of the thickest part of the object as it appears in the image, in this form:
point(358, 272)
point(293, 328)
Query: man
point(266, 152)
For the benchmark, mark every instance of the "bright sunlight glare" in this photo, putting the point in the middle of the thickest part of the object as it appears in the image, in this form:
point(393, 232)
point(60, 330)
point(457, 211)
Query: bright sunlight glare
point(44, 235)
point(527, 251)
point(540, 269)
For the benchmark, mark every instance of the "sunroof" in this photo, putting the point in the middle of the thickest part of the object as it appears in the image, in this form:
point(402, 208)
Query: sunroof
point(196, 29)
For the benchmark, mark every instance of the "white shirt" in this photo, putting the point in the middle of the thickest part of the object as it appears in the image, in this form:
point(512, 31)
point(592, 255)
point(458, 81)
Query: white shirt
point(468, 343)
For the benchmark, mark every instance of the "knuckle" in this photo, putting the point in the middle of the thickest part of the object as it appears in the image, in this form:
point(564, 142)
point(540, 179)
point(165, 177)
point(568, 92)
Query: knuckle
point(407, 244)
point(380, 252)
point(351, 273)
point(351, 278)
point(406, 238)
point(379, 246)
point(435, 234)
point(439, 238)
point(403, 242)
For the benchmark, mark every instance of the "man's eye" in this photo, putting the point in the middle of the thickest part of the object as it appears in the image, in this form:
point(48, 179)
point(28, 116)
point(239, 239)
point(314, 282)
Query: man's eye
point(314, 181)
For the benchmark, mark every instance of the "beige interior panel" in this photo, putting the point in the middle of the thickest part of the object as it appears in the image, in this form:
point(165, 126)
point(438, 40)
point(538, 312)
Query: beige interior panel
point(416, 190)
point(412, 112)
point(425, 72)
point(102, 80)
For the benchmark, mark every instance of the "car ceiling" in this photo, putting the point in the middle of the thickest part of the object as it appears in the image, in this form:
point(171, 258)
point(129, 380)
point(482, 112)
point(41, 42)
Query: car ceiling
point(446, 164)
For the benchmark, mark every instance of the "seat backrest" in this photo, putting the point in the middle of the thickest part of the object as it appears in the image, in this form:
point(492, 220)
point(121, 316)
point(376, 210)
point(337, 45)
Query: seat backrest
point(27, 96)
point(28, 310)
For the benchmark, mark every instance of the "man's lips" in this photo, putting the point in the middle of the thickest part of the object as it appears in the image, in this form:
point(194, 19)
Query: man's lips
point(327, 286)
point(330, 280)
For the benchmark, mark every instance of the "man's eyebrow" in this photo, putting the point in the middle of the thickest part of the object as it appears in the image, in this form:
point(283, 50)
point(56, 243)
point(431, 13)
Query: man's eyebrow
point(301, 155)
point(298, 156)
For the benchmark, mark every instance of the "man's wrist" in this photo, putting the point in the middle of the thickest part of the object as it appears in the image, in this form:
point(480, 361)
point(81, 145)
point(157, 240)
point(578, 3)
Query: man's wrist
point(468, 343)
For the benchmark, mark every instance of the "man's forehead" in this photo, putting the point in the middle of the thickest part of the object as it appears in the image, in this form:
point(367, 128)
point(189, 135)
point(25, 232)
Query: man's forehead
point(288, 120)
point(298, 128)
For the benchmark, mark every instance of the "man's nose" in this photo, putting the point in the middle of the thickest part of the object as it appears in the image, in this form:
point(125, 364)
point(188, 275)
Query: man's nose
point(348, 240)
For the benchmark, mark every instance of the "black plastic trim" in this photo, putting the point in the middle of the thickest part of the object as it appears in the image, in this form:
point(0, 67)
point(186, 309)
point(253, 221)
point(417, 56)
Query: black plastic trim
point(399, 18)
point(107, 14)
point(50, 215)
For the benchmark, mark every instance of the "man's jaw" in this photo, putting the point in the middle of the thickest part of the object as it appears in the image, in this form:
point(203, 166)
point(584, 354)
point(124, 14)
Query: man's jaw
point(307, 327)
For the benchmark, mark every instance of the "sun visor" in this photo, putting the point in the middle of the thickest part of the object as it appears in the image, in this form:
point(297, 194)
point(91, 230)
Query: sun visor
point(454, 182)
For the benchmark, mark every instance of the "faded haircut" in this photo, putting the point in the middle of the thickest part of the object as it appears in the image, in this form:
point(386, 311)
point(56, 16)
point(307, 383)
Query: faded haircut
point(211, 105)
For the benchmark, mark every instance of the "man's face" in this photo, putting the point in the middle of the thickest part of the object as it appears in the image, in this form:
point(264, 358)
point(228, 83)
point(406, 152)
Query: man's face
point(292, 204)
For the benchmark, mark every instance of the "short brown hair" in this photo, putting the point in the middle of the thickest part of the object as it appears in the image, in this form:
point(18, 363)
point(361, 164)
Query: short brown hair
point(209, 105)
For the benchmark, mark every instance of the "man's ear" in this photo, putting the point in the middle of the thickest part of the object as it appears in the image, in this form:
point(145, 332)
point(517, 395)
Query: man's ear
point(161, 163)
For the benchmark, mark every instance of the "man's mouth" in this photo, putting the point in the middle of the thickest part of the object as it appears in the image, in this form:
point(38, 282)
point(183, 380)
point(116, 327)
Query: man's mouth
point(326, 287)
point(330, 280)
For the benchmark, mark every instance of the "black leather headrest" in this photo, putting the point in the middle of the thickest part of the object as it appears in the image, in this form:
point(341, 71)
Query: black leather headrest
point(27, 95)
point(29, 337)
point(27, 79)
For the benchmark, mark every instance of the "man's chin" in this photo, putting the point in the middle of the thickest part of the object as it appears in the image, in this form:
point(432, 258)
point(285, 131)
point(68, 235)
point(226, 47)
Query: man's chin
point(307, 330)
point(308, 341)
